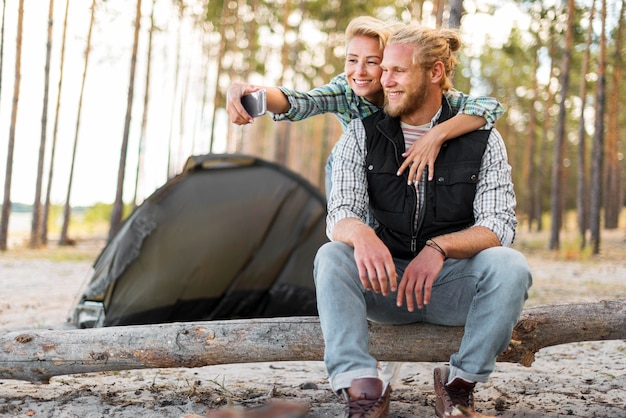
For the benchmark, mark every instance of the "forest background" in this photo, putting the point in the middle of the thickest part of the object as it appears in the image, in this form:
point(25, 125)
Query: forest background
point(102, 101)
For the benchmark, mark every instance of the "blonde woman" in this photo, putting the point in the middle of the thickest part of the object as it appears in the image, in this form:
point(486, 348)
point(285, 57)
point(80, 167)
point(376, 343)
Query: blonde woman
point(357, 93)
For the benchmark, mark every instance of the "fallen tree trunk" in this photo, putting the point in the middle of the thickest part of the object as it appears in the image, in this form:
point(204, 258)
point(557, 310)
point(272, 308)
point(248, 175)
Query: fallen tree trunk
point(37, 355)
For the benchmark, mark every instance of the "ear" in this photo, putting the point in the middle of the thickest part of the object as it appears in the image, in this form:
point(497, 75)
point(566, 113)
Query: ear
point(437, 72)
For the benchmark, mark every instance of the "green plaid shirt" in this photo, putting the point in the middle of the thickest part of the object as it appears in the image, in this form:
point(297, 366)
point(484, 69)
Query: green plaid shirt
point(337, 97)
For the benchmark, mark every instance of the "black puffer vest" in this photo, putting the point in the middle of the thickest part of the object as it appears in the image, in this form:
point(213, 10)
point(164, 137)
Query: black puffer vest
point(448, 202)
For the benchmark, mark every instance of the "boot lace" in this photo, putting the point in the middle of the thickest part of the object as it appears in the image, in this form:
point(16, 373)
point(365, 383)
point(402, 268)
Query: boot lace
point(460, 395)
point(361, 408)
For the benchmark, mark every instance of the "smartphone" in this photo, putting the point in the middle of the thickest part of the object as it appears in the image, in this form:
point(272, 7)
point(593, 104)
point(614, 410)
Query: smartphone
point(255, 103)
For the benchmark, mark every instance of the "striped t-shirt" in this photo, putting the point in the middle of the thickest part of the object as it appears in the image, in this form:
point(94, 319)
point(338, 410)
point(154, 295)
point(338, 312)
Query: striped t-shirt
point(411, 134)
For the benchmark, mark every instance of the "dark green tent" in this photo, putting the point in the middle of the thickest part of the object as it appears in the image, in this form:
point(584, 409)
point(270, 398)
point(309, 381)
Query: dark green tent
point(232, 236)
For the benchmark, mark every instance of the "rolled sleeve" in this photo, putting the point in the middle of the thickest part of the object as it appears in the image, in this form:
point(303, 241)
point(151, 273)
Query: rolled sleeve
point(348, 197)
point(333, 97)
point(494, 205)
point(487, 107)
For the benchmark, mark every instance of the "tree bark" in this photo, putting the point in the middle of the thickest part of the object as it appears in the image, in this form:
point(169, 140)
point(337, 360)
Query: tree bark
point(141, 150)
point(456, 13)
point(67, 208)
point(37, 355)
point(223, 23)
point(6, 203)
point(4, 8)
point(36, 222)
point(529, 169)
point(614, 196)
point(55, 131)
point(582, 192)
point(118, 204)
point(558, 173)
point(597, 146)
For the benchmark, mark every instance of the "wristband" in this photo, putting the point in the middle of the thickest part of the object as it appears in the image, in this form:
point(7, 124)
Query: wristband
point(432, 244)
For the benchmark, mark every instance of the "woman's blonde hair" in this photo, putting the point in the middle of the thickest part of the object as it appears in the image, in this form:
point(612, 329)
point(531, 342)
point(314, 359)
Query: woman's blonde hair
point(370, 27)
point(431, 45)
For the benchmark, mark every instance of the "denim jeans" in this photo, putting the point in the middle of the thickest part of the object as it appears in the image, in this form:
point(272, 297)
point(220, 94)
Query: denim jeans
point(486, 293)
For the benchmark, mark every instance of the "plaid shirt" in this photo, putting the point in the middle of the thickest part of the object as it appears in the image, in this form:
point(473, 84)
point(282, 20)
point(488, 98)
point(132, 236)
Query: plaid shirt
point(337, 97)
point(494, 203)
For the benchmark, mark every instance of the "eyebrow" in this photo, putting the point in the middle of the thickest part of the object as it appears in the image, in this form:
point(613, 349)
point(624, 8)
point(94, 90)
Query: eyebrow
point(368, 56)
point(394, 67)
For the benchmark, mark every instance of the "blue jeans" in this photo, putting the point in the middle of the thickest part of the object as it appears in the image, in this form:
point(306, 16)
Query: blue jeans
point(486, 293)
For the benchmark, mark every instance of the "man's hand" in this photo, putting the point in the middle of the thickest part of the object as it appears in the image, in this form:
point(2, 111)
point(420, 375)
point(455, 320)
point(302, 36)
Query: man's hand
point(422, 153)
point(236, 113)
point(417, 282)
point(377, 270)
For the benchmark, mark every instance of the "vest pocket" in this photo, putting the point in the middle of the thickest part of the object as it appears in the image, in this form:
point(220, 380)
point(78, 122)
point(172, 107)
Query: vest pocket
point(387, 191)
point(455, 189)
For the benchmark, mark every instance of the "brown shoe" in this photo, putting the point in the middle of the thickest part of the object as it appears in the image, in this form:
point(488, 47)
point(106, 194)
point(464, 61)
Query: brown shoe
point(455, 393)
point(367, 398)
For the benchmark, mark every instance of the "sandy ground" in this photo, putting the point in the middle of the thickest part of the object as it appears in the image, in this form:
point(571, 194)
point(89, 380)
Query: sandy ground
point(39, 288)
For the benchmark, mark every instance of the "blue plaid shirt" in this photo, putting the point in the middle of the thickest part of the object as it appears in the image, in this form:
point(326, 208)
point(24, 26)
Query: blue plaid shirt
point(337, 97)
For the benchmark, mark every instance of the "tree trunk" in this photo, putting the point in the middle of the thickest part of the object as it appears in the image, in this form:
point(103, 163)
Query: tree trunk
point(543, 154)
point(598, 142)
point(207, 48)
point(144, 118)
point(223, 23)
point(171, 171)
point(6, 203)
point(46, 208)
point(181, 154)
point(438, 7)
point(529, 169)
point(118, 204)
point(558, 173)
point(37, 355)
point(456, 12)
point(4, 8)
point(35, 230)
point(613, 197)
point(582, 201)
point(64, 240)
point(282, 132)
point(417, 10)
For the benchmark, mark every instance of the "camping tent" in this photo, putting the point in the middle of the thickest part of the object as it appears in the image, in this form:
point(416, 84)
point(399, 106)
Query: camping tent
point(232, 236)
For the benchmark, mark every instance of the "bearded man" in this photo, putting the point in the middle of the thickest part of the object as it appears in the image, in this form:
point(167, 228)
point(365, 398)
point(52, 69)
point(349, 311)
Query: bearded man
point(436, 251)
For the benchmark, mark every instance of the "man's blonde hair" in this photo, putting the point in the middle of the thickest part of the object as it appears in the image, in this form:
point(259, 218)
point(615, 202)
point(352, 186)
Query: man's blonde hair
point(431, 45)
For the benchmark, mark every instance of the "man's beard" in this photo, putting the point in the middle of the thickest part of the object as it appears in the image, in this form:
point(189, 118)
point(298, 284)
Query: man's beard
point(412, 102)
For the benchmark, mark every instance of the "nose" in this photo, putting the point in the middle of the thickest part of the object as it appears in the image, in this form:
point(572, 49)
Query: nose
point(386, 79)
point(361, 68)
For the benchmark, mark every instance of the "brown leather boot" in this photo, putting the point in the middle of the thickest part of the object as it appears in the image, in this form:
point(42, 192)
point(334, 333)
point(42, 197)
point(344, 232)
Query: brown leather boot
point(451, 394)
point(367, 398)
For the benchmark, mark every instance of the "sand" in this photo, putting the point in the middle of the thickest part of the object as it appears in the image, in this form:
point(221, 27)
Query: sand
point(39, 288)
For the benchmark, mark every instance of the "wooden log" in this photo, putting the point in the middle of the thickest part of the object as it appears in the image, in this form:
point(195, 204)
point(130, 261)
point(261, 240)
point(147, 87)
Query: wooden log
point(37, 355)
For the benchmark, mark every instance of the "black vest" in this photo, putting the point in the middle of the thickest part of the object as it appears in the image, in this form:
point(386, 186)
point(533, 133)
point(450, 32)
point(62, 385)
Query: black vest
point(448, 201)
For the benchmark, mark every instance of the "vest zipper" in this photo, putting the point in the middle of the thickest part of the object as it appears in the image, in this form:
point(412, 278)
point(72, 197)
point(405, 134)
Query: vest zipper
point(418, 217)
point(415, 227)
point(416, 221)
